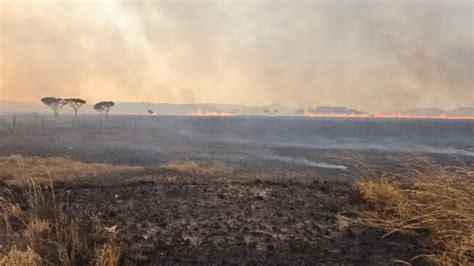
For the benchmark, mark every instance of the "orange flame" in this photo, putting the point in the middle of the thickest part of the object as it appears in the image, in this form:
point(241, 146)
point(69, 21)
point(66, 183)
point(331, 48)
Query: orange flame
point(388, 116)
point(210, 113)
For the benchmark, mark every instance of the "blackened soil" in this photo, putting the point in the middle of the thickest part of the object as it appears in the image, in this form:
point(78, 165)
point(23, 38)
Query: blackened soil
point(275, 208)
point(255, 222)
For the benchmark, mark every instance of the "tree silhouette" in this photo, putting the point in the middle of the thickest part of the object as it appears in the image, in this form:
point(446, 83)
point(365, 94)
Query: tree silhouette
point(104, 107)
point(54, 103)
point(75, 104)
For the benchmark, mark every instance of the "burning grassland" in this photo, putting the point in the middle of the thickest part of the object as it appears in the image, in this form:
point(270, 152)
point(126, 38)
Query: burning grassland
point(380, 115)
point(211, 113)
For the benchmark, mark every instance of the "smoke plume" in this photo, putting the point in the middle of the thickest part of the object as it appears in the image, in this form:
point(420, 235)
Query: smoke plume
point(376, 56)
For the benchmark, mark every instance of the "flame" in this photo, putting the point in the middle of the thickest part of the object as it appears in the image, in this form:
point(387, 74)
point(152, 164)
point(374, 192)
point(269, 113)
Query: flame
point(210, 113)
point(388, 116)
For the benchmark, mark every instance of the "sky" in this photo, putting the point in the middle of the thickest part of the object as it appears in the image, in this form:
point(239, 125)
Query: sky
point(370, 55)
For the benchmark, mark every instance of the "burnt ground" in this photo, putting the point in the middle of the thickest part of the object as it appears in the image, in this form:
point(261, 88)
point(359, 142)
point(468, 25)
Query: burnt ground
point(287, 200)
point(254, 222)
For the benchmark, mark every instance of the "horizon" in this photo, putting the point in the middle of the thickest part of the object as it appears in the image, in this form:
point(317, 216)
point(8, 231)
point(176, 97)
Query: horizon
point(238, 104)
point(307, 113)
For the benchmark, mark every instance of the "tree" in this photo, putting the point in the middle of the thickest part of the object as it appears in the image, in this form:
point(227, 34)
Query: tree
point(75, 104)
point(54, 103)
point(104, 107)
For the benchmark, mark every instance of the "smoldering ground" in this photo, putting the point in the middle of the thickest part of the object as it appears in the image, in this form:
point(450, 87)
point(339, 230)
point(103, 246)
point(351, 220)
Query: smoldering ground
point(147, 139)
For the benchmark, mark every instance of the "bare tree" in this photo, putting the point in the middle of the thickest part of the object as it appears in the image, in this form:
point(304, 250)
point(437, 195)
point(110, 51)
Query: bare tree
point(75, 104)
point(54, 103)
point(104, 107)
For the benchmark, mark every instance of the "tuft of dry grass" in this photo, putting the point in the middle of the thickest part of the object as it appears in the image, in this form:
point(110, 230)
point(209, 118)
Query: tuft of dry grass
point(107, 255)
point(195, 168)
point(16, 169)
point(423, 198)
point(21, 258)
point(37, 229)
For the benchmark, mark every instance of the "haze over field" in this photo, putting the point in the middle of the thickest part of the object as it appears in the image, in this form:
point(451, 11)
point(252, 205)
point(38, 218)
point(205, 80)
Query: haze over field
point(190, 132)
point(371, 56)
point(140, 108)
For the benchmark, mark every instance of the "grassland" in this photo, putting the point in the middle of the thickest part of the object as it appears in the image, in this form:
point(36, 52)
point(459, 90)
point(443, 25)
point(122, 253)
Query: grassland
point(425, 199)
point(37, 228)
point(49, 218)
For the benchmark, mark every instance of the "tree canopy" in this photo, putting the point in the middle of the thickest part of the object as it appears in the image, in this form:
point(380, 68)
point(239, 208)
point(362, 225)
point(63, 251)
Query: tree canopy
point(75, 104)
point(51, 101)
point(54, 103)
point(104, 107)
point(74, 101)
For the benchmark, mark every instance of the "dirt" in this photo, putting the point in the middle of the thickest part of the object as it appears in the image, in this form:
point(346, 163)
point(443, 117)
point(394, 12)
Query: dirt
point(173, 219)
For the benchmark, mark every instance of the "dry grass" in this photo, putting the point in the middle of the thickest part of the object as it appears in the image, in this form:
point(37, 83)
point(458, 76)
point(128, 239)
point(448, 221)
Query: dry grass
point(36, 228)
point(21, 258)
point(194, 168)
point(107, 255)
point(17, 169)
point(425, 199)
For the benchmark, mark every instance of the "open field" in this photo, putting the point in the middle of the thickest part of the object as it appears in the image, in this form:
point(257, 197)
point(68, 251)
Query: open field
point(156, 139)
point(234, 189)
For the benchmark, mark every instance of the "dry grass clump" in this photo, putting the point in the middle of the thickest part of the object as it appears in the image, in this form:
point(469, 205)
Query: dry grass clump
point(107, 255)
point(424, 199)
point(21, 258)
point(17, 168)
point(35, 229)
point(194, 168)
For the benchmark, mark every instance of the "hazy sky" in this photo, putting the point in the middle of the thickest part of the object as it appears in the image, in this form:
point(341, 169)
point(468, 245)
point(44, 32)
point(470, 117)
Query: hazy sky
point(372, 55)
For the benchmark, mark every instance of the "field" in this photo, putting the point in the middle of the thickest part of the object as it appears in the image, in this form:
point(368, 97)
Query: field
point(226, 190)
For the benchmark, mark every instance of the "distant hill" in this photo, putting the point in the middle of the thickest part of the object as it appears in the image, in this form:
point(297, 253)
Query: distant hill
point(461, 111)
point(20, 107)
point(425, 111)
point(184, 109)
point(141, 108)
point(29, 107)
point(333, 110)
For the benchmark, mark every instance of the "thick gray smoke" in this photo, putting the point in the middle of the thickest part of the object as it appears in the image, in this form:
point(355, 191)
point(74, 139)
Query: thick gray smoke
point(376, 56)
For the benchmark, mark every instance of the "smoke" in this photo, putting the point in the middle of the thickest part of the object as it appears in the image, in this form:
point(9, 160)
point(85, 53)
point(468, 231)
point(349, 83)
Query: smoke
point(306, 162)
point(377, 56)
